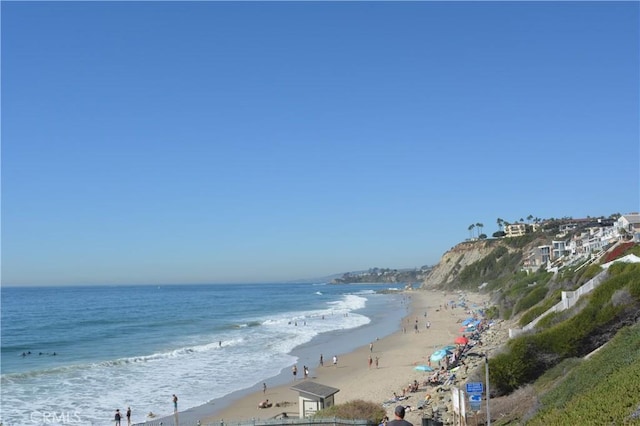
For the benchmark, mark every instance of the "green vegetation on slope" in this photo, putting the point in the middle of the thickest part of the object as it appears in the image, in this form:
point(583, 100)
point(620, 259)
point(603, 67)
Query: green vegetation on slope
point(610, 306)
point(500, 263)
point(541, 308)
point(598, 391)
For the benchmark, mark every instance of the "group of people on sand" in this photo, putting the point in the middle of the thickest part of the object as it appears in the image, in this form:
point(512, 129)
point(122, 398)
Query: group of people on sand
point(294, 371)
point(412, 387)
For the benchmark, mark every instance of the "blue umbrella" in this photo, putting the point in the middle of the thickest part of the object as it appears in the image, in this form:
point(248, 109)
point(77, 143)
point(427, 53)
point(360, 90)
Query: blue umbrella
point(467, 321)
point(423, 368)
point(438, 355)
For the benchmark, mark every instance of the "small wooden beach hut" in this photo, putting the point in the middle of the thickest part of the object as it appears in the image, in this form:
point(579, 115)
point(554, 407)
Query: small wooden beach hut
point(313, 397)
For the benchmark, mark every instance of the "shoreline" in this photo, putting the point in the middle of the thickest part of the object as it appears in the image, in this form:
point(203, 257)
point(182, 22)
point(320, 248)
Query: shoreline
point(398, 354)
point(385, 312)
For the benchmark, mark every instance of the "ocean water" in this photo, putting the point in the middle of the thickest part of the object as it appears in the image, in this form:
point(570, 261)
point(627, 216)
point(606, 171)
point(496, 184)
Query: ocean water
point(72, 355)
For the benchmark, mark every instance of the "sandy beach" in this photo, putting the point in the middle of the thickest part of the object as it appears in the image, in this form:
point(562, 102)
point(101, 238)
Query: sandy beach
point(397, 355)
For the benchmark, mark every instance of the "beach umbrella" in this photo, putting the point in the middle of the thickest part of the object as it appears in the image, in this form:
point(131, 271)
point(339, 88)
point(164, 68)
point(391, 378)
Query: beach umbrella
point(423, 368)
point(461, 340)
point(438, 355)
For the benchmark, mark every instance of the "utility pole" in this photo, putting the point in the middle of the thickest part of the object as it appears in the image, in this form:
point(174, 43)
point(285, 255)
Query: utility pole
point(486, 369)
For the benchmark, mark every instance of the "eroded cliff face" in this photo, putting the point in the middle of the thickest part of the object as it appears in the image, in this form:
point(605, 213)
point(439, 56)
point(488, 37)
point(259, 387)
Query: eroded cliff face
point(454, 260)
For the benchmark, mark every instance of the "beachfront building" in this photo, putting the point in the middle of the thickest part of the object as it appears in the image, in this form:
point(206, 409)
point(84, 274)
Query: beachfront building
point(630, 224)
point(313, 397)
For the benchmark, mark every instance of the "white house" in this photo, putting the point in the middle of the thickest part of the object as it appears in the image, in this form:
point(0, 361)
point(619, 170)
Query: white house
point(630, 223)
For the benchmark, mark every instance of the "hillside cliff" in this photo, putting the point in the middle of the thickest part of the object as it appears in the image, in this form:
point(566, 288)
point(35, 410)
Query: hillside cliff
point(455, 260)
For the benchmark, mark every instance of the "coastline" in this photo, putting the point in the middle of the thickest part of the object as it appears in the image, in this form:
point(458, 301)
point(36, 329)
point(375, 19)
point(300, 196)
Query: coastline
point(385, 311)
point(398, 352)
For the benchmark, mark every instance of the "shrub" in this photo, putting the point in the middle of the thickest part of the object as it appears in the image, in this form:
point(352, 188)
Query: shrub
point(548, 320)
point(492, 312)
point(590, 272)
point(354, 410)
point(536, 311)
point(536, 295)
point(634, 250)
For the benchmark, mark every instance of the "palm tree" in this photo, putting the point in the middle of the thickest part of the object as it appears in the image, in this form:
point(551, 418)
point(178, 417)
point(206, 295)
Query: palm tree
point(500, 223)
point(529, 218)
point(479, 226)
point(471, 230)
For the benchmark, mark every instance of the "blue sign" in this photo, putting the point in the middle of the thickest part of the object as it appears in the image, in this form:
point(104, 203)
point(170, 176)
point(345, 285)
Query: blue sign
point(474, 387)
point(475, 398)
point(475, 401)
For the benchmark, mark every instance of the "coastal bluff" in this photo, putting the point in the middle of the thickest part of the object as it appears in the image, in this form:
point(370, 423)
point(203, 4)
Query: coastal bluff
point(455, 260)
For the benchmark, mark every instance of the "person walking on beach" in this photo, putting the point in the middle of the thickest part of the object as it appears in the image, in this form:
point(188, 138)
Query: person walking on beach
point(264, 388)
point(321, 361)
point(118, 417)
point(335, 361)
point(175, 403)
point(377, 362)
point(370, 362)
point(128, 416)
point(306, 372)
point(399, 418)
point(370, 347)
point(294, 370)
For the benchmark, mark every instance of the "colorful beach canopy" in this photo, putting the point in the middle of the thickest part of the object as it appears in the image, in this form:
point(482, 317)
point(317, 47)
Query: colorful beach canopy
point(461, 340)
point(423, 368)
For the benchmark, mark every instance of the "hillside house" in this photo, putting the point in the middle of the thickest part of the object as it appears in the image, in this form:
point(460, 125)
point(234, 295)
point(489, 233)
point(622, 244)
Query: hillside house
point(515, 230)
point(630, 223)
point(537, 257)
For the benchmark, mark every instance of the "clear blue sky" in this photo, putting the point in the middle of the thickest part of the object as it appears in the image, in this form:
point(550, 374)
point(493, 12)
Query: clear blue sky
point(161, 142)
